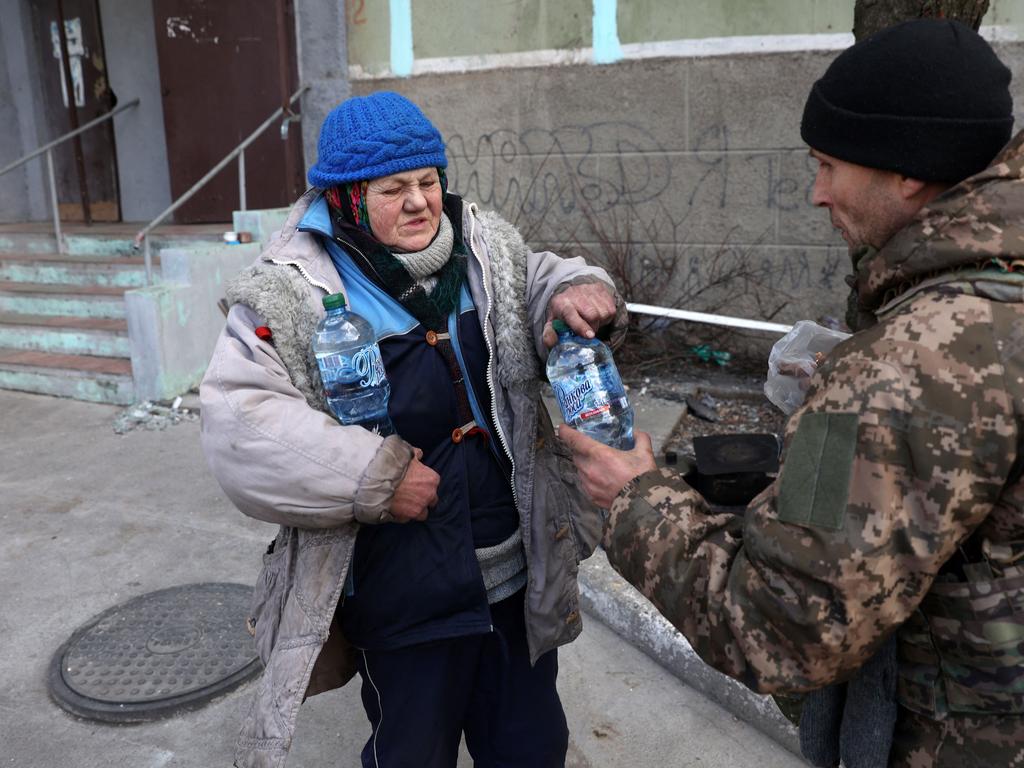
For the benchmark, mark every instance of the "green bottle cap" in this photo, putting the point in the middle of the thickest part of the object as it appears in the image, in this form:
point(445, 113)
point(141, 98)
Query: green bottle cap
point(334, 301)
point(560, 326)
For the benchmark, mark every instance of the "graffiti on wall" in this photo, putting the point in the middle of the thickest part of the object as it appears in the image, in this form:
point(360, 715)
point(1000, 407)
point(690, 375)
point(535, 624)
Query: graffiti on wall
point(538, 170)
point(617, 170)
point(724, 165)
point(610, 164)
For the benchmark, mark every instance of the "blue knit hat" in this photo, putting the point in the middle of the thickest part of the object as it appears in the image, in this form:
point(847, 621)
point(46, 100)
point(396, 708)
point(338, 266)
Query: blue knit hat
point(366, 137)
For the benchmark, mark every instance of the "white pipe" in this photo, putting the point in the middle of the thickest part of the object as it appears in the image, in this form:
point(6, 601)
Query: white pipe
point(703, 317)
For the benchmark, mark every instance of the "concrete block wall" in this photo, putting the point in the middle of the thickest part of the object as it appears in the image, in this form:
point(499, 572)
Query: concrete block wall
point(261, 224)
point(173, 326)
point(699, 157)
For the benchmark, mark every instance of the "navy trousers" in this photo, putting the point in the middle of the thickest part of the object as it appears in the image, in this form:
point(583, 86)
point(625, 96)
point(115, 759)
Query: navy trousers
point(421, 699)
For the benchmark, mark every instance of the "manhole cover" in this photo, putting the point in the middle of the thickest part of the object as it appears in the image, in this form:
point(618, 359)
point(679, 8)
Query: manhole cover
point(157, 654)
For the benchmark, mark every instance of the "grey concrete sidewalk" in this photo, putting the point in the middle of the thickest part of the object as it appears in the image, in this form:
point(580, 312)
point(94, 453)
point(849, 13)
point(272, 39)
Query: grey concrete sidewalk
point(92, 519)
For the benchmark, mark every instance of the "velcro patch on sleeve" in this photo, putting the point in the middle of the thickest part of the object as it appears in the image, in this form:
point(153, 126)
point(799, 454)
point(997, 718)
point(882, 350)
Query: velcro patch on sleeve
point(815, 483)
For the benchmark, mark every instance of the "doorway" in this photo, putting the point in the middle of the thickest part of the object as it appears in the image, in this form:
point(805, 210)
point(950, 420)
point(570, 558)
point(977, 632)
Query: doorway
point(225, 66)
point(86, 168)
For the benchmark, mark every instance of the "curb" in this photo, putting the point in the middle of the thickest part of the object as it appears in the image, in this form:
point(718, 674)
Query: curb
point(607, 596)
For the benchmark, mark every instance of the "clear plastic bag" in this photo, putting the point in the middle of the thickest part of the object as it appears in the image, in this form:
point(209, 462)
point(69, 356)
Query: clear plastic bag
point(793, 360)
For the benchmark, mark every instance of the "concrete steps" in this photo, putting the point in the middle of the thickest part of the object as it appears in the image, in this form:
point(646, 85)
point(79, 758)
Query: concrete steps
point(62, 326)
point(62, 315)
point(83, 377)
point(102, 239)
point(61, 300)
point(103, 336)
point(62, 269)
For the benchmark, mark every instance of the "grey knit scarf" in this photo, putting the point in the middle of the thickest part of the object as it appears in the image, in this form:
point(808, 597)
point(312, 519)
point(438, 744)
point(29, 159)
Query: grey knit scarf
point(424, 265)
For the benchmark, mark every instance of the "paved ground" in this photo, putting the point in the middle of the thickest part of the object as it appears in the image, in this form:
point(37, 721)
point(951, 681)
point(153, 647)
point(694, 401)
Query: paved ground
point(92, 519)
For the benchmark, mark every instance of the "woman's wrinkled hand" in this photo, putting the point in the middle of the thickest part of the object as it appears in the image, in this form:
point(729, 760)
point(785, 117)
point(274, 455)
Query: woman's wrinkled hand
point(584, 308)
point(416, 493)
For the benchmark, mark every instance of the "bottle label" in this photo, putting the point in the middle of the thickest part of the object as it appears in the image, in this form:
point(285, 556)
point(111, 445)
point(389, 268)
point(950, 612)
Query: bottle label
point(578, 399)
point(369, 366)
point(365, 365)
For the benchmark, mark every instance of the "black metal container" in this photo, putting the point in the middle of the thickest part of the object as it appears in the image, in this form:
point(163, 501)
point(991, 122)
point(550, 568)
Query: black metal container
point(732, 469)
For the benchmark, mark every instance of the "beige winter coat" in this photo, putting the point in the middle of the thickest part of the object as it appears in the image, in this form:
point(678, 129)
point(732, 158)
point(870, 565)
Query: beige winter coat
point(281, 458)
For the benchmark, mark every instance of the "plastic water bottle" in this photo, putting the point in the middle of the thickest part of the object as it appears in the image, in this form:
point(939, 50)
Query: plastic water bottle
point(350, 365)
point(589, 390)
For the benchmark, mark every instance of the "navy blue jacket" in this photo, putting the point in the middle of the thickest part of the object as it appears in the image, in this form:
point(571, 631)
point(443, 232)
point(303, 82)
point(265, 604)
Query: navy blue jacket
point(420, 581)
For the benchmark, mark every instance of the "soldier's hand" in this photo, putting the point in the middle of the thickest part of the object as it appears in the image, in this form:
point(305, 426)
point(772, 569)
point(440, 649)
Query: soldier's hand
point(604, 471)
point(802, 371)
point(416, 493)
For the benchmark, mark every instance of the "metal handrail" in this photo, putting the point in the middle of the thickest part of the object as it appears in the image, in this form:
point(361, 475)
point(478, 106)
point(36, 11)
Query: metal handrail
point(239, 151)
point(48, 149)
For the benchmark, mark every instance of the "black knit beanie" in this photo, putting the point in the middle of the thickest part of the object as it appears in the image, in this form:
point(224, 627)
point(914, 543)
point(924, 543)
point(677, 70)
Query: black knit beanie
point(927, 98)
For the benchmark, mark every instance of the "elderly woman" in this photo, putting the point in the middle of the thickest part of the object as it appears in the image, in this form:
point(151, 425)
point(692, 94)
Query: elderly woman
point(439, 562)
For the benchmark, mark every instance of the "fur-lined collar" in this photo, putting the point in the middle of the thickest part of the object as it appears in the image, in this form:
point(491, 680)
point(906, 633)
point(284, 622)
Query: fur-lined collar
point(283, 289)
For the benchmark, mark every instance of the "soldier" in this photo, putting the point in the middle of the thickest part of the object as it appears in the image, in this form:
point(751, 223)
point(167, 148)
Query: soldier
point(898, 508)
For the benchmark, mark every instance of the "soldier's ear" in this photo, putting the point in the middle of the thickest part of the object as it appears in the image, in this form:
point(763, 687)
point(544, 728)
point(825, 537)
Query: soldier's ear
point(919, 192)
point(910, 188)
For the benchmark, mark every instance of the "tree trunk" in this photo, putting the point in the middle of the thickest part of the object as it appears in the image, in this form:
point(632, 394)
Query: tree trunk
point(870, 16)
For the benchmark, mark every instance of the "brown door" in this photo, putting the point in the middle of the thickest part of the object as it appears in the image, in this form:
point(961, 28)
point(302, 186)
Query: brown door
point(90, 97)
point(225, 66)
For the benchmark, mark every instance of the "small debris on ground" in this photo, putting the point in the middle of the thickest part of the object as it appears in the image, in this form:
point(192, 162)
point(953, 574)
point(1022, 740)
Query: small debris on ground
point(703, 406)
point(705, 353)
point(736, 414)
point(153, 415)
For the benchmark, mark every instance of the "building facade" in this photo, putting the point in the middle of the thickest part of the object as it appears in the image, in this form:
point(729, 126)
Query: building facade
point(659, 134)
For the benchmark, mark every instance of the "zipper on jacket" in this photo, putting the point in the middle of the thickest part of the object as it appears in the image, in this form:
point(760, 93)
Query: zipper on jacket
point(303, 272)
point(339, 242)
point(490, 361)
point(306, 275)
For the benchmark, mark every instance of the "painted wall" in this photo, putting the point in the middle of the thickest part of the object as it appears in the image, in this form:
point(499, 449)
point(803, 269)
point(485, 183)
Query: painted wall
point(130, 42)
point(22, 191)
point(694, 158)
point(642, 21)
point(459, 28)
point(1009, 13)
point(389, 36)
point(680, 158)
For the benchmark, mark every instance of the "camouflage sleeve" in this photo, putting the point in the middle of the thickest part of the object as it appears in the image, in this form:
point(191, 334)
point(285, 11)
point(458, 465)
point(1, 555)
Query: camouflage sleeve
point(901, 449)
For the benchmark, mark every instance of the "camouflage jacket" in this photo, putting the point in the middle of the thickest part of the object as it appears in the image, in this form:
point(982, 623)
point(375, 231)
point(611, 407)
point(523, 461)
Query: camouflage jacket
point(902, 455)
